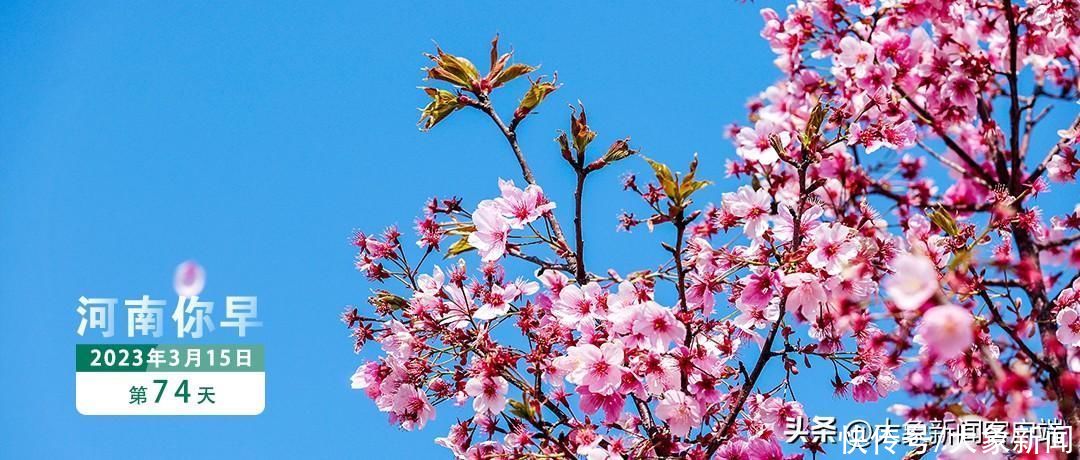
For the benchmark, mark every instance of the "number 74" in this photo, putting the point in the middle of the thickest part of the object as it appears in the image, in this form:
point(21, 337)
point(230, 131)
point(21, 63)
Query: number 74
point(181, 390)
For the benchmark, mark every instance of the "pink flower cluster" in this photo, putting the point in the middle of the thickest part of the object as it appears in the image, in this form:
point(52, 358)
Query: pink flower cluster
point(494, 219)
point(888, 229)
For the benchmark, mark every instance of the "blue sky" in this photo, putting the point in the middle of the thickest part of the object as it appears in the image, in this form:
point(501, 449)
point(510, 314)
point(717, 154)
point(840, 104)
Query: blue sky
point(253, 137)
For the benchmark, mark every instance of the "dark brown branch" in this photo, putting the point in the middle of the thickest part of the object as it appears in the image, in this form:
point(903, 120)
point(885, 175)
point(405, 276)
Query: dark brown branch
point(544, 265)
point(579, 235)
point(1059, 243)
point(1010, 330)
point(1014, 101)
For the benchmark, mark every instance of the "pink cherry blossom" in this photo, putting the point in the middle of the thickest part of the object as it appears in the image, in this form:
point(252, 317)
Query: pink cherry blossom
point(489, 394)
point(855, 54)
point(896, 136)
point(758, 289)
point(784, 223)
point(521, 207)
point(519, 437)
point(485, 450)
point(597, 452)
point(497, 302)
point(832, 248)
point(776, 412)
point(753, 206)
point(580, 306)
point(871, 386)
point(411, 408)
point(366, 376)
point(456, 310)
point(764, 449)
point(397, 339)
point(806, 294)
point(658, 326)
point(491, 234)
point(1063, 167)
point(456, 440)
point(600, 368)
point(190, 278)
point(612, 404)
point(554, 281)
point(679, 411)
point(1068, 327)
point(661, 373)
point(896, 177)
point(737, 449)
point(705, 283)
point(431, 284)
point(947, 330)
point(754, 143)
point(526, 288)
point(913, 282)
point(756, 316)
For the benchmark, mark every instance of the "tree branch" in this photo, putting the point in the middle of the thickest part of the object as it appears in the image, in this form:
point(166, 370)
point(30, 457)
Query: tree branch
point(1014, 101)
point(485, 106)
point(975, 168)
point(1056, 149)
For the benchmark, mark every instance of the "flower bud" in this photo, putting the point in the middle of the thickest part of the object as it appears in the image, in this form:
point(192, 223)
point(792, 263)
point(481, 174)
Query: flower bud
point(579, 129)
point(619, 150)
point(564, 146)
point(777, 144)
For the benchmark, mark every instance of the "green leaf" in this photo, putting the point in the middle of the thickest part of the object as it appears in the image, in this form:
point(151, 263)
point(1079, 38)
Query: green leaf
point(944, 220)
point(689, 185)
point(442, 104)
point(462, 228)
point(510, 73)
point(813, 125)
point(666, 178)
point(387, 299)
point(520, 409)
point(688, 189)
point(453, 69)
point(459, 247)
point(536, 94)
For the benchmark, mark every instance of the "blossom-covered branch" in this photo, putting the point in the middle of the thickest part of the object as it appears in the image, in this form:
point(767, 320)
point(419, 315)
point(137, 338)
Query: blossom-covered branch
point(888, 228)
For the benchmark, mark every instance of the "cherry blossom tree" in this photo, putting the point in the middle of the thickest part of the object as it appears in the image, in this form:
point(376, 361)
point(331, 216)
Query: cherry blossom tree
point(887, 227)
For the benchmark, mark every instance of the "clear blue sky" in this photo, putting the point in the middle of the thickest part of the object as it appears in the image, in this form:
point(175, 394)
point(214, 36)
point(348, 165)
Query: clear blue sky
point(254, 136)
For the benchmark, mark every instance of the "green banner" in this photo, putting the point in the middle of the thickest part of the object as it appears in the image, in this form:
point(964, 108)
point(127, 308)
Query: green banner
point(168, 358)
